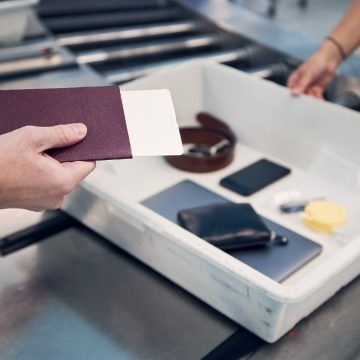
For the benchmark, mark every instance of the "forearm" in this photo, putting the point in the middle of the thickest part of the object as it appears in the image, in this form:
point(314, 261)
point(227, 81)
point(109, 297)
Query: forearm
point(347, 31)
point(315, 74)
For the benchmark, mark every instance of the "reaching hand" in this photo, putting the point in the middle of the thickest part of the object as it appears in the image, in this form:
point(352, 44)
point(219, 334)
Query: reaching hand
point(31, 179)
point(315, 74)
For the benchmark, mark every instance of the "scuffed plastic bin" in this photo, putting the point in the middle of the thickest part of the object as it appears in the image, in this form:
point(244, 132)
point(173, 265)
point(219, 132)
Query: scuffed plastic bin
point(268, 122)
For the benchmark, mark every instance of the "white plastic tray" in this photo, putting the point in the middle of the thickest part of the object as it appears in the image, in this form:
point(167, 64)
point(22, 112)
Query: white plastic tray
point(267, 121)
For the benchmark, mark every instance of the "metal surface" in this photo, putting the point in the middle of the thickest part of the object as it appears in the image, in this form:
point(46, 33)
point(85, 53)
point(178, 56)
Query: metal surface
point(51, 223)
point(341, 86)
point(71, 77)
point(71, 23)
point(239, 20)
point(33, 57)
point(122, 53)
point(17, 4)
point(76, 297)
point(13, 220)
point(350, 100)
point(34, 28)
point(34, 64)
point(27, 50)
point(330, 333)
point(153, 48)
point(278, 69)
point(226, 56)
point(28, 66)
point(133, 32)
point(66, 7)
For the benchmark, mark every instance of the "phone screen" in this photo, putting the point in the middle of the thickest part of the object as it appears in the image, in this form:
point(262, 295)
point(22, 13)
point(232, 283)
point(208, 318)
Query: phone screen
point(255, 177)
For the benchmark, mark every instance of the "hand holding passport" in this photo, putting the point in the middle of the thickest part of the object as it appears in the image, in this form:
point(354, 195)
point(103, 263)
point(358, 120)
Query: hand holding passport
point(33, 180)
point(119, 125)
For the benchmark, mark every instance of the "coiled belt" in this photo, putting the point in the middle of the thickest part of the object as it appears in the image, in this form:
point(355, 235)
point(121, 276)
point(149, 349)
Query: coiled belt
point(206, 148)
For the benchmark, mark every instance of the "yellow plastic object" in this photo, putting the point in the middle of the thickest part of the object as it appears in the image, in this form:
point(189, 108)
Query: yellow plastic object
point(324, 216)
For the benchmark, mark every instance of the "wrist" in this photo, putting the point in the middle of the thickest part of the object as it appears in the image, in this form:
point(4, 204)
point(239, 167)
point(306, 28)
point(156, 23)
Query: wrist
point(3, 199)
point(330, 52)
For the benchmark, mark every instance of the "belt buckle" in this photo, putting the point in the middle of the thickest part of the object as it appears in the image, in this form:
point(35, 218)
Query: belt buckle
point(205, 151)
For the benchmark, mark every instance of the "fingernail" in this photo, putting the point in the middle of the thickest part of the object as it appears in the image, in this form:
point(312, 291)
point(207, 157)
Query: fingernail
point(80, 129)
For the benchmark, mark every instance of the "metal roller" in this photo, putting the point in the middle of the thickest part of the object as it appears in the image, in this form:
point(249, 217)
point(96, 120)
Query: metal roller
point(33, 58)
point(350, 100)
point(153, 48)
point(35, 64)
point(63, 24)
point(60, 8)
point(276, 70)
point(25, 51)
point(225, 56)
point(119, 34)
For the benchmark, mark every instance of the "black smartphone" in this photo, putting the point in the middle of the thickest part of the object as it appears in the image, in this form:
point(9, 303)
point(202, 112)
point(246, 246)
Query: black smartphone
point(254, 177)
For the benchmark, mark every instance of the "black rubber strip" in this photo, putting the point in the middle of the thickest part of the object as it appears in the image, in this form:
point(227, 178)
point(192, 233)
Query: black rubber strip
point(56, 222)
point(240, 344)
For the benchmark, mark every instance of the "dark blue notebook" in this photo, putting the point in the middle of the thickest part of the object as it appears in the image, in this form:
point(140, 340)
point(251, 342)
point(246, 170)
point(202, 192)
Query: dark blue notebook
point(275, 261)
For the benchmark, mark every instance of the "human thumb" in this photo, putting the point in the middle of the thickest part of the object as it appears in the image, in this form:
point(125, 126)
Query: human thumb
point(59, 135)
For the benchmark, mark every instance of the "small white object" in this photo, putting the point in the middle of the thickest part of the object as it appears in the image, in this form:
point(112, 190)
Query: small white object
point(151, 123)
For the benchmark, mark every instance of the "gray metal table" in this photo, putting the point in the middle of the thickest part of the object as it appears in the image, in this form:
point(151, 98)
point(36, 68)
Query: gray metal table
point(74, 296)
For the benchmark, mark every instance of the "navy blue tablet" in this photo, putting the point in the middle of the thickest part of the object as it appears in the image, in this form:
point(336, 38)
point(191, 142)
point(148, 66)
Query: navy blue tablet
point(276, 261)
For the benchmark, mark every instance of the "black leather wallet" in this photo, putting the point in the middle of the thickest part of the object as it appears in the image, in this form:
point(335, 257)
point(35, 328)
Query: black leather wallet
point(227, 226)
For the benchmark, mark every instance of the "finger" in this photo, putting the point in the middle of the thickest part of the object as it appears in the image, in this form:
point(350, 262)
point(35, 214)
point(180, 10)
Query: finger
point(327, 77)
point(294, 82)
point(315, 92)
point(54, 203)
point(305, 79)
point(58, 136)
point(293, 79)
point(318, 92)
point(78, 170)
point(310, 92)
point(325, 81)
point(51, 203)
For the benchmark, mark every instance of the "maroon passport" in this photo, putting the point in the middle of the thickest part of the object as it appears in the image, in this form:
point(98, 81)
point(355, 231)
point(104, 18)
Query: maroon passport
point(99, 108)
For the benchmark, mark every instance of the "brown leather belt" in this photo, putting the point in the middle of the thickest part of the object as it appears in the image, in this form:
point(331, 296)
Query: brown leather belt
point(207, 148)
